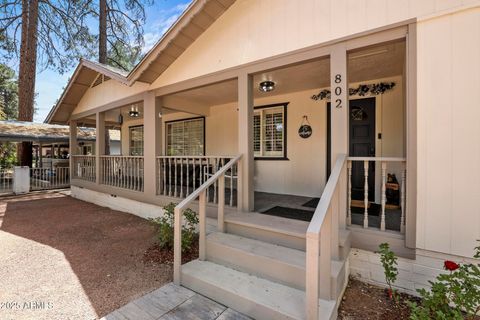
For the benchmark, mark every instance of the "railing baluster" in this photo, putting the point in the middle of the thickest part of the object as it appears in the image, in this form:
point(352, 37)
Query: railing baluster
point(349, 199)
point(221, 203)
point(365, 194)
point(384, 195)
point(181, 177)
point(188, 177)
point(194, 173)
point(215, 165)
point(402, 200)
point(232, 171)
point(175, 164)
point(164, 178)
point(170, 177)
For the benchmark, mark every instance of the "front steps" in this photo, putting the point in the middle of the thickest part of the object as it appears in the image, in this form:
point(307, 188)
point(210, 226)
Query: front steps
point(258, 268)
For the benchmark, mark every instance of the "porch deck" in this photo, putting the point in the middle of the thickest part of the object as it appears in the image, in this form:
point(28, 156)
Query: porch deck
point(267, 201)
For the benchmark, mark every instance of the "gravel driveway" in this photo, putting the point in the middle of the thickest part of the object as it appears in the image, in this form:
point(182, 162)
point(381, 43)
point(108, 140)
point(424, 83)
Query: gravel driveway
point(62, 258)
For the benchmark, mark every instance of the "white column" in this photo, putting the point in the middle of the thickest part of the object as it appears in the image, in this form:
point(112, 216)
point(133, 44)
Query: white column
point(245, 142)
point(339, 101)
point(152, 141)
point(339, 120)
point(72, 145)
point(384, 195)
point(99, 144)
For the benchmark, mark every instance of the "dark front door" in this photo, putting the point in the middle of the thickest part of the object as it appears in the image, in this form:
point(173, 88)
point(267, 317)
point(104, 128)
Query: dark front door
point(362, 144)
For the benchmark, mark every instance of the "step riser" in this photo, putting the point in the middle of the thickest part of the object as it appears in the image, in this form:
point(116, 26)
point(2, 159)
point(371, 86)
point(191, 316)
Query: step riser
point(267, 236)
point(271, 269)
point(230, 299)
point(264, 267)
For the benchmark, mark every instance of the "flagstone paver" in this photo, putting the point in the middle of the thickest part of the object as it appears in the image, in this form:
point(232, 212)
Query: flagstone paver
point(172, 302)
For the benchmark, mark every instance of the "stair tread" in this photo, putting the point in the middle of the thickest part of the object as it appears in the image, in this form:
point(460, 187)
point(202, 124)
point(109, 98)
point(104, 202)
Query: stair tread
point(292, 227)
point(282, 298)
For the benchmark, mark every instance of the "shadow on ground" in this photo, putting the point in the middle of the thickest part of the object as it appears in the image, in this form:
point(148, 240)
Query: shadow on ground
point(104, 248)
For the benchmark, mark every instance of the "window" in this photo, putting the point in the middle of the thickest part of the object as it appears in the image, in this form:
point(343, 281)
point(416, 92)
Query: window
point(136, 141)
point(186, 137)
point(269, 131)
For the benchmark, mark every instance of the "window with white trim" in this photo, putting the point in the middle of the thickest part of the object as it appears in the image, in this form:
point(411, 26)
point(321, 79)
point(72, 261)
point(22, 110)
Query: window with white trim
point(186, 137)
point(136, 141)
point(269, 128)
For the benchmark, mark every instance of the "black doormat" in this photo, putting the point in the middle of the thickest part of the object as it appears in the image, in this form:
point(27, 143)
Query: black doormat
point(290, 213)
point(312, 203)
point(373, 210)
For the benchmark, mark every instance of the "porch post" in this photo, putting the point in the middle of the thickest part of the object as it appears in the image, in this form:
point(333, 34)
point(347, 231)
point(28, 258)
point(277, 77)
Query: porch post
point(245, 186)
point(339, 119)
point(152, 141)
point(99, 144)
point(72, 147)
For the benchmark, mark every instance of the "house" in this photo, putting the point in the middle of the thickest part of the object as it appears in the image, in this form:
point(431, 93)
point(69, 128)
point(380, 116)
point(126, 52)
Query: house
point(50, 142)
point(259, 108)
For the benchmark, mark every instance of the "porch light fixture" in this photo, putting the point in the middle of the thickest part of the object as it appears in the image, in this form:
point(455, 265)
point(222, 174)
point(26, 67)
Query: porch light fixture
point(266, 86)
point(134, 112)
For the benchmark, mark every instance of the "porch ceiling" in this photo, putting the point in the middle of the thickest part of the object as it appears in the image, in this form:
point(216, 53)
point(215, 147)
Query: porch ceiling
point(386, 60)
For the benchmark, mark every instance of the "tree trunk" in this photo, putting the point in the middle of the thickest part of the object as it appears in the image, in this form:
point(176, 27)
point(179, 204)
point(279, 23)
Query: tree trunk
point(102, 32)
point(27, 73)
point(102, 53)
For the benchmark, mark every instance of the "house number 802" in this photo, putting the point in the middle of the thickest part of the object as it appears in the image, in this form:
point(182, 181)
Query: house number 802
point(338, 90)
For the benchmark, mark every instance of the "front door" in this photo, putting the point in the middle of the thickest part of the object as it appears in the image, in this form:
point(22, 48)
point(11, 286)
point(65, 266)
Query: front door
point(362, 144)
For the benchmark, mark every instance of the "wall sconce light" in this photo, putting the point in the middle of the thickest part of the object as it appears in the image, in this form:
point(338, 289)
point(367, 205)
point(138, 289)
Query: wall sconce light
point(266, 86)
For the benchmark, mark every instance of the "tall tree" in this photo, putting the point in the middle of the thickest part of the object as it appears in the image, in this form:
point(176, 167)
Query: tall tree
point(120, 34)
point(53, 34)
point(8, 110)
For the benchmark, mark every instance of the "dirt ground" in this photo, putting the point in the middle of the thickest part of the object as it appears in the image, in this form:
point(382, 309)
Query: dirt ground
point(364, 301)
point(62, 258)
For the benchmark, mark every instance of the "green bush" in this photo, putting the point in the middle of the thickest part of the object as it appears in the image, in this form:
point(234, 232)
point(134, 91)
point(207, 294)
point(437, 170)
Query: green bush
point(389, 263)
point(455, 295)
point(164, 228)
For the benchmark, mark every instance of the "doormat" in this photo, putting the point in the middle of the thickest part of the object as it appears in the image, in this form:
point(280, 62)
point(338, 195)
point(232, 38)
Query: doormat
point(312, 203)
point(290, 213)
point(373, 209)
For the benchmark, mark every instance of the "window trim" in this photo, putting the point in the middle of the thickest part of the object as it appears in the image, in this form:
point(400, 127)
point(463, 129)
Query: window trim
point(130, 139)
point(285, 118)
point(186, 119)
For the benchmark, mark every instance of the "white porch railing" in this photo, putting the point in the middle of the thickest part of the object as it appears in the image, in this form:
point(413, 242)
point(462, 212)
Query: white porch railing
point(322, 241)
point(6, 180)
point(393, 191)
point(84, 167)
point(122, 172)
point(48, 178)
point(201, 193)
point(180, 176)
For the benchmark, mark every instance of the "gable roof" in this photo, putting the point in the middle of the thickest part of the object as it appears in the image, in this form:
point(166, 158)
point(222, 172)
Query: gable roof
point(195, 20)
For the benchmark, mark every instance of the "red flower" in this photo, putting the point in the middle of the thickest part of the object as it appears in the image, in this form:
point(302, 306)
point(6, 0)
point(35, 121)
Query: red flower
point(450, 265)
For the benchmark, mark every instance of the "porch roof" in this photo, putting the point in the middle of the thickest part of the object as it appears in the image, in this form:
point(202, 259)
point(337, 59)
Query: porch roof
point(197, 18)
point(18, 131)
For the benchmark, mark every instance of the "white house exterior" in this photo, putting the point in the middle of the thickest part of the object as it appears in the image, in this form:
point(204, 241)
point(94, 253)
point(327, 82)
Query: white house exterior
point(194, 123)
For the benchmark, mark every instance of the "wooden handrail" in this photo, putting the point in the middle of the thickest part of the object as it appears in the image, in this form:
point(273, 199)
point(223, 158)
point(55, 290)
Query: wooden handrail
point(387, 159)
point(322, 242)
point(200, 193)
point(190, 157)
point(324, 203)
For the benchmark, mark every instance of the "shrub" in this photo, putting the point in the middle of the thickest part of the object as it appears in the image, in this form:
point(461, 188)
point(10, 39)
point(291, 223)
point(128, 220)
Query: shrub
point(455, 295)
point(389, 263)
point(164, 228)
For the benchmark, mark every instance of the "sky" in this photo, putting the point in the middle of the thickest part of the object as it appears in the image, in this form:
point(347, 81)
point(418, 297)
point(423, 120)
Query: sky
point(160, 16)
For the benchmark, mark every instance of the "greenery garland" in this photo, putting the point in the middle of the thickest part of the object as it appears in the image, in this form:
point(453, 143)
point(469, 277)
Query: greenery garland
point(362, 90)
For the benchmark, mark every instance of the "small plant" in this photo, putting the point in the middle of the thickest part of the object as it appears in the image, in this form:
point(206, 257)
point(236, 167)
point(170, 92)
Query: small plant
point(164, 228)
point(455, 295)
point(389, 263)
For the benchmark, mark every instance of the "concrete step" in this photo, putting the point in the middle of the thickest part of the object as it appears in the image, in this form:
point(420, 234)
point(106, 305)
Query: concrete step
point(273, 262)
point(254, 296)
point(276, 230)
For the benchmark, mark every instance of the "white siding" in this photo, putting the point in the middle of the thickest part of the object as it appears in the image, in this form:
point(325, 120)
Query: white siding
point(449, 133)
point(254, 29)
